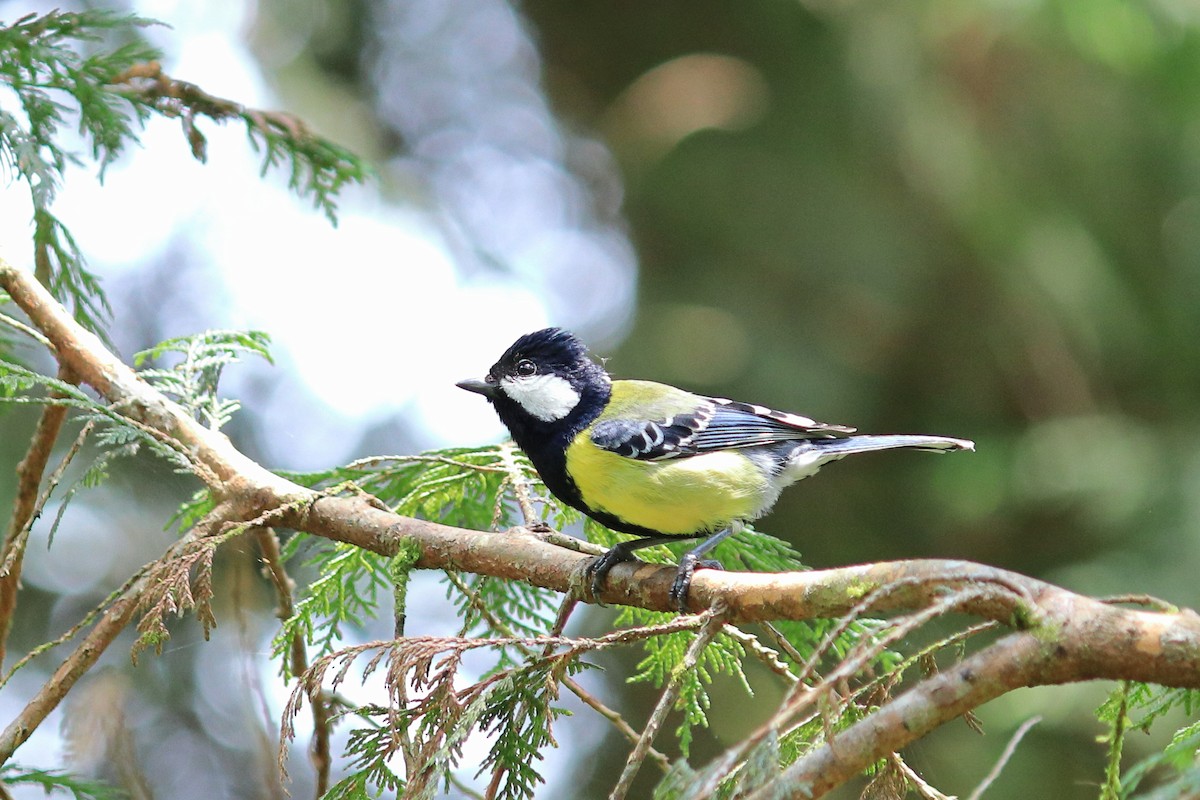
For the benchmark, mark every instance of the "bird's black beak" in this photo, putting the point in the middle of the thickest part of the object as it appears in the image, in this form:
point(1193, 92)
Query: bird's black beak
point(478, 387)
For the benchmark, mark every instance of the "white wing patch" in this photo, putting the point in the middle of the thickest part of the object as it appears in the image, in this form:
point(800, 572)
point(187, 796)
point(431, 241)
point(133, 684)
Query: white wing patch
point(547, 397)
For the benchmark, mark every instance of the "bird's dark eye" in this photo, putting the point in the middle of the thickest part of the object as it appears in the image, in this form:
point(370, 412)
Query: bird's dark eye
point(525, 368)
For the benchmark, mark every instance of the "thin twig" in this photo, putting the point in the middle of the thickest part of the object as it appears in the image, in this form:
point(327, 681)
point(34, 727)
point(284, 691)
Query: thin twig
point(74, 630)
point(520, 484)
point(463, 789)
point(372, 461)
point(271, 783)
point(776, 636)
point(867, 649)
point(1147, 600)
point(618, 721)
point(1009, 749)
point(16, 551)
point(25, 505)
point(919, 784)
point(412, 756)
point(319, 752)
point(565, 609)
point(808, 667)
point(111, 622)
point(32, 333)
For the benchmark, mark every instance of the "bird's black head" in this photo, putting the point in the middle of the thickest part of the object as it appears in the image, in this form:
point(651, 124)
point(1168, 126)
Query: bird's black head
point(544, 388)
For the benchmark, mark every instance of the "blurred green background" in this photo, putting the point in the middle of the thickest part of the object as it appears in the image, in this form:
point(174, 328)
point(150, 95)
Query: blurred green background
point(979, 219)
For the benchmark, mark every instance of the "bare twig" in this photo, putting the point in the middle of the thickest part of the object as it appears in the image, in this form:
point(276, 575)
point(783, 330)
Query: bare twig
point(29, 478)
point(618, 721)
point(400, 581)
point(272, 784)
point(1141, 600)
point(919, 784)
point(268, 546)
point(11, 564)
point(516, 476)
point(779, 640)
point(32, 333)
point(1001, 762)
point(463, 789)
point(374, 461)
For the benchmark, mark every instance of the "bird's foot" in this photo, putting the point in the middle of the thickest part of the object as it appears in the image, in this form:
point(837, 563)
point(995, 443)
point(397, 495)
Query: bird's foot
point(539, 527)
point(596, 571)
point(688, 565)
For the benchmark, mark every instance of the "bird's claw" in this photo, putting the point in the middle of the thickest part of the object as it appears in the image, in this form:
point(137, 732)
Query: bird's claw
point(595, 572)
point(688, 565)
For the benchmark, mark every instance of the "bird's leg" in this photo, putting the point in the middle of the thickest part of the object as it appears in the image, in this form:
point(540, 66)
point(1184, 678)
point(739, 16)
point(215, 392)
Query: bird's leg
point(690, 562)
point(598, 568)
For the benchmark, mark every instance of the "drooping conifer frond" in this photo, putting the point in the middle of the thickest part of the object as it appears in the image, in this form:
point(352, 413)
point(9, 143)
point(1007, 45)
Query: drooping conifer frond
point(90, 70)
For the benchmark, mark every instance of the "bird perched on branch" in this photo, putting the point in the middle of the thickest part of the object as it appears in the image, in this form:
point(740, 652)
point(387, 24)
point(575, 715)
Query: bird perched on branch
point(655, 461)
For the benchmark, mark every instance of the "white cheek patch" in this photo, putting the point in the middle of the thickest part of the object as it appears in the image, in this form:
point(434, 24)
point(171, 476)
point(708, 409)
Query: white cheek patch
point(547, 397)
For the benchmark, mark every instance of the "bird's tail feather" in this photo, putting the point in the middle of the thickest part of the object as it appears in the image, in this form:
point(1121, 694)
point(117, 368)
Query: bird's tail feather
point(868, 443)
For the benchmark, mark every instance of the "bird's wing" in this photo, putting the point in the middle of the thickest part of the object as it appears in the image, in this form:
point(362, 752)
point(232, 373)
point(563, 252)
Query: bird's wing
point(714, 424)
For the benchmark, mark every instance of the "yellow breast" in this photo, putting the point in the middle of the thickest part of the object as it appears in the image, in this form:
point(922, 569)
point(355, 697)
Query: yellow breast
point(680, 496)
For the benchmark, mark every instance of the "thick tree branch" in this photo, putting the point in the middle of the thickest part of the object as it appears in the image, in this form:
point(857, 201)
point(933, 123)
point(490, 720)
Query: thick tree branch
point(1061, 636)
point(1150, 646)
